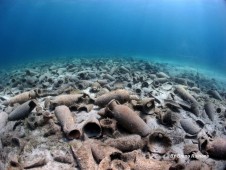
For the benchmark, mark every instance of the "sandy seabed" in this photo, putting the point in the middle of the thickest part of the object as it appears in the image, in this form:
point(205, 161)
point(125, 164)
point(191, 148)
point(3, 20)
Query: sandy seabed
point(110, 113)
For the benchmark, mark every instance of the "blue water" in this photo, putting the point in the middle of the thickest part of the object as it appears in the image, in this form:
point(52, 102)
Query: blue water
point(188, 31)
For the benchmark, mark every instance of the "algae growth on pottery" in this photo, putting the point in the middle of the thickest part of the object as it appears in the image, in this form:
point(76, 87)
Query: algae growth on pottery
point(100, 85)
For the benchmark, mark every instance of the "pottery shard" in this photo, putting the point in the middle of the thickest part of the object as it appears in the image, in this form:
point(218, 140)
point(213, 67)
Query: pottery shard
point(120, 95)
point(3, 119)
point(197, 165)
point(167, 86)
point(67, 99)
point(185, 95)
point(22, 111)
point(215, 94)
point(180, 81)
point(146, 105)
point(62, 157)
point(126, 143)
point(67, 122)
point(36, 162)
point(92, 128)
point(215, 149)
point(83, 154)
point(21, 98)
point(159, 142)
point(190, 126)
point(190, 149)
point(113, 163)
point(128, 119)
point(172, 104)
point(209, 109)
point(142, 163)
point(162, 75)
point(101, 150)
point(108, 125)
point(169, 118)
point(95, 87)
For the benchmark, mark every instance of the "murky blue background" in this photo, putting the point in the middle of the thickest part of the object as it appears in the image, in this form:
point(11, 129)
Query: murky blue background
point(188, 31)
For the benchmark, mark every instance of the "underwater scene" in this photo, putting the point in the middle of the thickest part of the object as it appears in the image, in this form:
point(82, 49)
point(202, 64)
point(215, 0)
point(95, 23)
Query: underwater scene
point(113, 84)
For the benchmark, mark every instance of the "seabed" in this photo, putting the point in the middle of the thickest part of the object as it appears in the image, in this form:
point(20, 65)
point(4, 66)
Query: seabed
point(111, 113)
